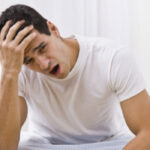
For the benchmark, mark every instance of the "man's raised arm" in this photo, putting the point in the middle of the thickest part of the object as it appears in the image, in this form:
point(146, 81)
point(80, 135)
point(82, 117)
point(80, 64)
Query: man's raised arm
point(13, 109)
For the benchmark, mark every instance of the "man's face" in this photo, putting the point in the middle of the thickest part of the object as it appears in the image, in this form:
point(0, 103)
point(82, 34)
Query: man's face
point(48, 55)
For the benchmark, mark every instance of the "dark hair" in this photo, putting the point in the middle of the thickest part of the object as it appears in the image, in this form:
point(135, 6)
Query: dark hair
point(23, 12)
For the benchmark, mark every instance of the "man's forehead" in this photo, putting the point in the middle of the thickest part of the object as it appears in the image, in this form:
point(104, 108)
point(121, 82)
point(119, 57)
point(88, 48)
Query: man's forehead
point(29, 48)
point(33, 43)
point(39, 41)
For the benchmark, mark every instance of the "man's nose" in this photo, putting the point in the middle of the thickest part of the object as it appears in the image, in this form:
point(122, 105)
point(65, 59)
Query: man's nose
point(43, 63)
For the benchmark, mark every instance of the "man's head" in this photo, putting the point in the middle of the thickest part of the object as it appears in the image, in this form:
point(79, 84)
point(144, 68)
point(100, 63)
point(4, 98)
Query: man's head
point(48, 53)
point(23, 12)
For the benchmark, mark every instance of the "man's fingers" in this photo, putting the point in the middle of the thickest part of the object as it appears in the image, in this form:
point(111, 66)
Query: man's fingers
point(22, 34)
point(27, 41)
point(5, 30)
point(12, 31)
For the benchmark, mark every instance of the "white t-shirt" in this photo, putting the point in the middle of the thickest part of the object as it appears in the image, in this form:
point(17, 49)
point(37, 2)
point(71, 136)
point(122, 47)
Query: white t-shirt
point(85, 106)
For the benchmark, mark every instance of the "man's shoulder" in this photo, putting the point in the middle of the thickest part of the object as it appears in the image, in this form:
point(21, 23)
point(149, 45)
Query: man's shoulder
point(100, 44)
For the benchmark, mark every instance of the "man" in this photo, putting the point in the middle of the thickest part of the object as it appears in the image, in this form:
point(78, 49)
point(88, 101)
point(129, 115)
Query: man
point(71, 88)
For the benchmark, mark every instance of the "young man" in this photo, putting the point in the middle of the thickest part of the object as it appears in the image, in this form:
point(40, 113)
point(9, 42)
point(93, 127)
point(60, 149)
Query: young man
point(71, 88)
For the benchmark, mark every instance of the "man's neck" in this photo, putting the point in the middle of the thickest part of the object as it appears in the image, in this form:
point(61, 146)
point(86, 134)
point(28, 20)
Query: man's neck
point(73, 50)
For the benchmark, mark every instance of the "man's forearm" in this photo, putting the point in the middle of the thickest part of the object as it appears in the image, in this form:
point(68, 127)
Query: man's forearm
point(140, 142)
point(9, 111)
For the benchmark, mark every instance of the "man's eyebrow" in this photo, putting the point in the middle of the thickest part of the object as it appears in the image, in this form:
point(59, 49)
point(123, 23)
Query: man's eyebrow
point(39, 46)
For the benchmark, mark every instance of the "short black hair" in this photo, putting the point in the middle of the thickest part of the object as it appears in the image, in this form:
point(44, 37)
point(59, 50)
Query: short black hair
point(23, 12)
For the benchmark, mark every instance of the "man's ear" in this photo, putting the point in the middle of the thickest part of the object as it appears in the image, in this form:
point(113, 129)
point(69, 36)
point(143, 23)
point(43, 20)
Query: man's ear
point(53, 29)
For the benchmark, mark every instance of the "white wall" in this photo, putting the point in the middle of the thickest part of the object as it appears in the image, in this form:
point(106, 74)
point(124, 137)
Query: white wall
point(140, 35)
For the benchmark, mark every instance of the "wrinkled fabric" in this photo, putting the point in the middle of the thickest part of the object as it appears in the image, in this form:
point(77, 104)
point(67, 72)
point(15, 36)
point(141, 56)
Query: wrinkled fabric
point(114, 143)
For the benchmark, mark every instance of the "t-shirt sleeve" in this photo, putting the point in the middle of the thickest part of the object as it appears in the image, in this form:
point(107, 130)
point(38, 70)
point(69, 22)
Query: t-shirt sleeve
point(126, 80)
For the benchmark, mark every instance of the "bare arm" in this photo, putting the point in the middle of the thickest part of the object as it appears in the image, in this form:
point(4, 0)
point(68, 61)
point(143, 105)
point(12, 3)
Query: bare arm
point(13, 109)
point(136, 111)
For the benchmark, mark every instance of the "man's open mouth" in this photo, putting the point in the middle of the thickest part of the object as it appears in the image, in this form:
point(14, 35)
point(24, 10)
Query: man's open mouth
point(55, 70)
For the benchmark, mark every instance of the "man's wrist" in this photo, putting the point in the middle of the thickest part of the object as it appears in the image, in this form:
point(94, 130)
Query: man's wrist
point(10, 73)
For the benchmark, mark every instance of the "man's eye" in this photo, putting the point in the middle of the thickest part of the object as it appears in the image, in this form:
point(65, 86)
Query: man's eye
point(29, 61)
point(42, 49)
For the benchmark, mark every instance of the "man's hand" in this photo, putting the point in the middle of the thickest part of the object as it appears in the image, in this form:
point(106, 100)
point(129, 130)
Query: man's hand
point(12, 49)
